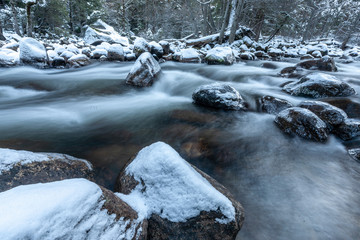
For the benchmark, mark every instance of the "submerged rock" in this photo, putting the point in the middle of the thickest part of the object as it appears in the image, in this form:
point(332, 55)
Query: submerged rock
point(331, 115)
point(273, 105)
point(24, 167)
point(324, 64)
point(219, 95)
point(68, 209)
point(348, 130)
point(179, 200)
point(144, 72)
point(303, 123)
point(32, 52)
point(319, 85)
point(220, 55)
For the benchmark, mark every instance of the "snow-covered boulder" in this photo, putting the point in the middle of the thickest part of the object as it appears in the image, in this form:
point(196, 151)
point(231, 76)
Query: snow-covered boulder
point(58, 62)
point(101, 32)
point(319, 85)
point(348, 130)
point(219, 95)
point(116, 53)
point(188, 55)
point(144, 72)
point(67, 55)
point(24, 167)
point(179, 200)
point(156, 49)
point(79, 60)
point(247, 56)
point(99, 52)
point(72, 48)
point(32, 52)
point(13, 45)
point(220, 55)
point(331, 115)
point(166, 46)
point(86, 51)
point(8, 58)
point(247, 41)
point(303, 123)
point(316, 54)
point(68, 209)
point(141, 46)
point(273, 105)
point(323, 64)
point(275, 52)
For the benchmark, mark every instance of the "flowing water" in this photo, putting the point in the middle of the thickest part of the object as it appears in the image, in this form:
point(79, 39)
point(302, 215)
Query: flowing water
point(290, 188)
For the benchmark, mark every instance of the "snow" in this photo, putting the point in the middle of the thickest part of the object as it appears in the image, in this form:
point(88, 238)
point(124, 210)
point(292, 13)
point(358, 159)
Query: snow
point(69, 209)
point(9, 158)
point(9, 57)
point(220, 52)
point(116, 48)
point(32, 50)
point(141, 44)
point(52, 54)
point(189, 53)
point(67, 54)
point(29, 1)
point(78, 57)
point(171, 188)
point(147, 59)
point(104, 32)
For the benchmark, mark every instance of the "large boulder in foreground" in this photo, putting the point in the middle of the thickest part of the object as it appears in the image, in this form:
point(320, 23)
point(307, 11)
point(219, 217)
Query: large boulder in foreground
point(331, 115)
point(220, 96)
point(24, 167)
point(144, 72)
point(273, 105)
point(68, 209)
point(324, 64)
point(319, 85)
point(101, 32)
point(32, 52)
point(220, 55)
point(303, 123)
point(180, 201)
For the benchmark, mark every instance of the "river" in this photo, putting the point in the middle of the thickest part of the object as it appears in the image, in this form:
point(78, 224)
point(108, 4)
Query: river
point(290, 188)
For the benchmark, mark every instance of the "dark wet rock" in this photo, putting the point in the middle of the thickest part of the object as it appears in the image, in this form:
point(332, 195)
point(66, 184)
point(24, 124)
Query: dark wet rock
point(247, 56)
point(22, 167)
point(324, 64)
point(319, 85)
point(218, 95)
point(58, 62)
point(144, 72)
point(355, 153)
point(166, 46)
point(350, 107)
point(331, 115)
point(292, 72)
point(348, 130)
point(273, 105)
point(269, 65)
point(206, 224)
point(220, 56)
point(156, 49)
point(303, 123)
point(141, 46)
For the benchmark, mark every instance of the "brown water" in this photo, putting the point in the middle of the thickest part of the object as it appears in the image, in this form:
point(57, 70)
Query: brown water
point(290, 188)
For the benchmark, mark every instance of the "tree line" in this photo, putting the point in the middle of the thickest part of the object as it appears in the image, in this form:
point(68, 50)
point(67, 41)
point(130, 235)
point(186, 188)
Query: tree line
point(164, 19)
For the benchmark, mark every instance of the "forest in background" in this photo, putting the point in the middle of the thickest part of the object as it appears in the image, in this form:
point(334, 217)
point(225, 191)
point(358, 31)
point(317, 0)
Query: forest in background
point(165, 19)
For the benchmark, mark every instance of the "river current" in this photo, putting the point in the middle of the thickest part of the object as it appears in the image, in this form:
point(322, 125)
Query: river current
point(290, 188)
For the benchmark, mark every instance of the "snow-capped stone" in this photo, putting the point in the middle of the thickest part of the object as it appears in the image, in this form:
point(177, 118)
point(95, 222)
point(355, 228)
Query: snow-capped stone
point(348, 130)
point(72, 48)
point(324, 64)
point(24, 167)
point(86, 51)
point(302, 122)
point(32, 52)
point(316, 54)
point(219, 95)
point(355, 153)
point(67, 55)
point(99, 52)
point(156, 49)
point(331, 115)
point(220, 55)
point(166, 46)
point(179, 200)
point(8, 58)
point(188, 55)
point(102, 32)
point(144, 71)
point(247, 41)
point(141, 46)
point(306, 57)
point(13, 45)
point(79, 60)
point(58, 62)
point(319, 85)
point(68, 209)
point(59, 49)
point(243, 48)
point(275, 52)
point(291, 53)
point(130, 57)
point(52, 54)
point(116, 53)
point(273, 105)
point(247, 56)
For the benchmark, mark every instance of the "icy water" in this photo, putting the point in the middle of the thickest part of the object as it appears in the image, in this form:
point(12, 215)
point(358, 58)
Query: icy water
point(290, 188)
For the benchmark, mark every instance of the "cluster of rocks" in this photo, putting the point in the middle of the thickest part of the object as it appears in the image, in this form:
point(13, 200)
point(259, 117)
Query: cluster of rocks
point(156, 198)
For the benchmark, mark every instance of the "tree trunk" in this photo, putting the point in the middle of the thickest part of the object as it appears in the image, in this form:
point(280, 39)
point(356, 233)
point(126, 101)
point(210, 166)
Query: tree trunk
point(238, 10)
point(260, 17)
point(225, 21)
point(2, 38)
point(29, 22)
point(14, 16)
point(350, 32)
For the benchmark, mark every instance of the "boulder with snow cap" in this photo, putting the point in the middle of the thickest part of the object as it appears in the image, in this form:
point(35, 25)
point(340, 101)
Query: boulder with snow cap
point(156, 49)
point(24, 167)
point(101, 32)
point(8, 58)
point(68, 209)
point(220, 56)
point(348, 130)
point(189, 55)
point(220, 96)
point(141, 46)
point(273, 105)
point(323, 64)
point(179, 200)
point(79, 60)
point(99, 52)
point(32, 52)
point(319, 85)
point(144, 72)
point(116, 53)
point(166, 46)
